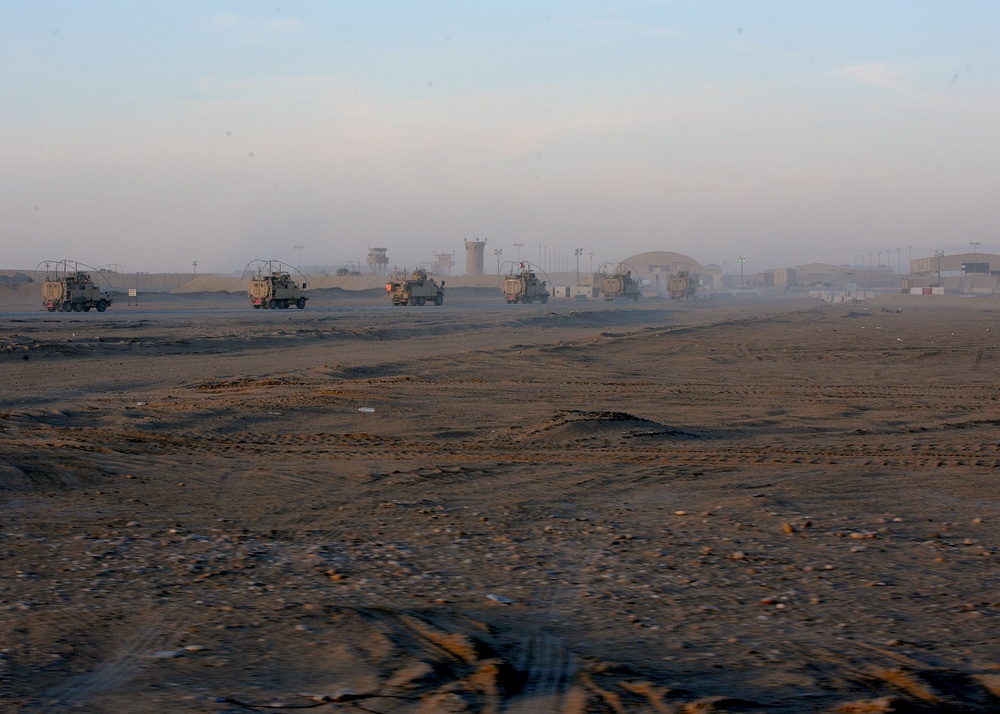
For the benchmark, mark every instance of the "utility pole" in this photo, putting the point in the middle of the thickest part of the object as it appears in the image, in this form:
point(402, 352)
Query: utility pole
point(498, 252)
point(939, 254)
point(578, 252)
point(742, 260)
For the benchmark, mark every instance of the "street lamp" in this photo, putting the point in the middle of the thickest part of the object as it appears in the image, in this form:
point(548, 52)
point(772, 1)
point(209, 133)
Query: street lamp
point(591, 262)
point(498, 252)
point(975, 258)
point(578, 252)
point(519, 246)
point(742, 260)
point(300, 248)
point(194, 267)
point(938, 254)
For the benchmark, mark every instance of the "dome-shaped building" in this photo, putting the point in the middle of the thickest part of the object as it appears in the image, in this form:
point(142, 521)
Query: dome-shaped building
point(654, 268)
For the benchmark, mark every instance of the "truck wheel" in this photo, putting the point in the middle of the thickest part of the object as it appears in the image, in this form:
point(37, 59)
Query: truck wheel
point(544, 299)
point(438, 299)
point(52, 307)
point(78, 307)
point(67, 306)
point(86, 308)
point(272, 304)
point(419, 302)
point(527, 299)
point(256, 307)
point(102, 305)
point(300, 303)
point(283, 304)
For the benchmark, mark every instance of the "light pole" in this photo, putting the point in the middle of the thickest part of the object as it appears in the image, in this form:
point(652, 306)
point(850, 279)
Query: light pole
point(519, 246)
point(498, 252)
point(591, 262)
point(938, 254)
point(742, 260)
point(194, 267)
point(578, 252)
point(300, 248)
point(975, 258)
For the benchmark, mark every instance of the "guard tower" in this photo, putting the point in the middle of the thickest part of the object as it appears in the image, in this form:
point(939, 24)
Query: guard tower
point(378, 261)
point(444, 262)
point(474, 250)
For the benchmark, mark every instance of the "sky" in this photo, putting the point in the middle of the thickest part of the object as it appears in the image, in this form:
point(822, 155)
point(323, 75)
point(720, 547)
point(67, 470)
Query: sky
point(152, 134)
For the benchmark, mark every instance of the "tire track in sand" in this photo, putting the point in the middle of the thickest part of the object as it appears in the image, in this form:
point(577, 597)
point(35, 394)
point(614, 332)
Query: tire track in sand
point(157, 634)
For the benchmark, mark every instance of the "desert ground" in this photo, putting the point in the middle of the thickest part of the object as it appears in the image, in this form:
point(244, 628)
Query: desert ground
point(722, 505)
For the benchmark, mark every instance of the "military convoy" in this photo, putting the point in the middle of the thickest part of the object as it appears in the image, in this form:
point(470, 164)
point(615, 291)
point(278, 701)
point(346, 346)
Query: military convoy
point(72, 290)
point(619, 283)
point(682, 285)
point(417, 289)
point(524, 286)
point(273, 288)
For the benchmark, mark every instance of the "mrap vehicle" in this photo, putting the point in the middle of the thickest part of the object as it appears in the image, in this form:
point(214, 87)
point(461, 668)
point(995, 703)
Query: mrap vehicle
point(682, 285)
point(72, 290)
point(416, 289)
point(524, 287)
point(273, 287)
point(620, 284)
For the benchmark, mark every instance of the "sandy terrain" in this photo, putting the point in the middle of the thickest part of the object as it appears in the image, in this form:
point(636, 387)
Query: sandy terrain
point(487, 508)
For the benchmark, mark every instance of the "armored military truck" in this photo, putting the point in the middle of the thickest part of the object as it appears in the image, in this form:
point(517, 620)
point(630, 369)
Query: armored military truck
point(525, 287)
point(418, 289)
point(620, 284)
point(72, 290)
point(274, 288)
point(682, 285)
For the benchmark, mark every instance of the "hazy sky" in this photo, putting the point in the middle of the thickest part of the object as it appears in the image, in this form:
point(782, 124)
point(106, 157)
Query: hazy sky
point(153, 134)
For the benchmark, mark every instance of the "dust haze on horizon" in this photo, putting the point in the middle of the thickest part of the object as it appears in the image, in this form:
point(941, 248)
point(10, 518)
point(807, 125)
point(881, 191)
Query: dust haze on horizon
point(153, 135)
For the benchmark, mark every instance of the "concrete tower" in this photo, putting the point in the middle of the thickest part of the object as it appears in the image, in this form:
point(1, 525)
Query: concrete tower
point(474, 250)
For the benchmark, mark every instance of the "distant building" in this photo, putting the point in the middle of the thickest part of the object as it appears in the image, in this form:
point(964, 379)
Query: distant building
point(474, 252)
point(443, 263)
point(378, 261)
point(779, 278)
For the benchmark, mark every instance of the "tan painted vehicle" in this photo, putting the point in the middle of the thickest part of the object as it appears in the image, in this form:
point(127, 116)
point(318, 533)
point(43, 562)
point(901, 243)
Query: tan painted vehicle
point(69, 289)
point(619, 283)
point(682, 285)
point(524, 286)
point(418, 289)
point(273, 288)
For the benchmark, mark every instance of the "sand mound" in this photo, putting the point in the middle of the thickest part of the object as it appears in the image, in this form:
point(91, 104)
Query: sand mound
point(575, 426)
point(10, 277)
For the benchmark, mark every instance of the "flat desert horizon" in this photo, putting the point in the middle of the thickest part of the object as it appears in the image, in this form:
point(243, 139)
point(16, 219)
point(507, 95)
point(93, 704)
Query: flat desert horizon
point(714, 506)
